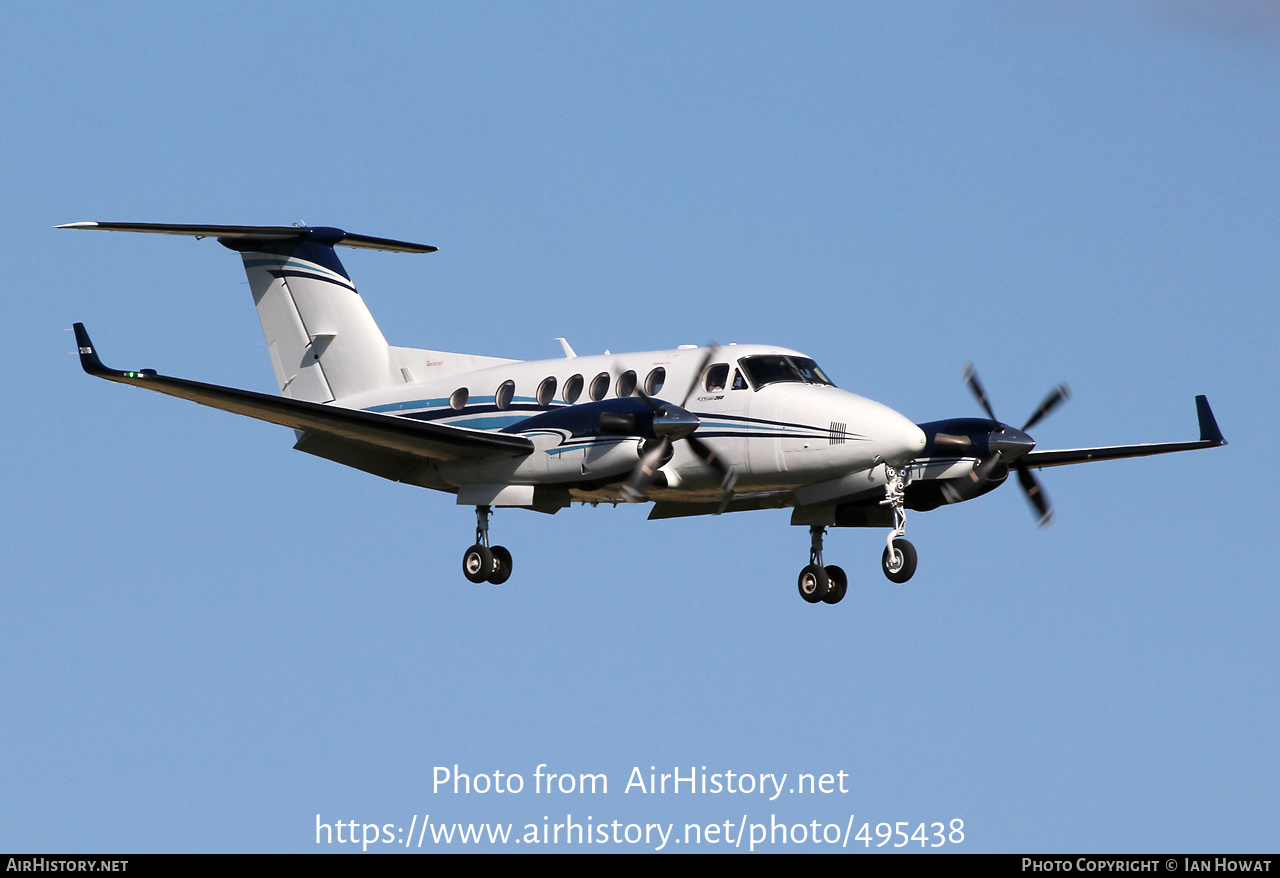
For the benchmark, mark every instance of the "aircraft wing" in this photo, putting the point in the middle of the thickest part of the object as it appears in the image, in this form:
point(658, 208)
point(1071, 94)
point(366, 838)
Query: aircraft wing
point(403, 436)
point(1210, 437)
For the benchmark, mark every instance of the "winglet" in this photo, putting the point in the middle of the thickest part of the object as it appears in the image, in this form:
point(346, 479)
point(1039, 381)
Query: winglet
point(88, 356)
point(1209, 431)
point(90, 362)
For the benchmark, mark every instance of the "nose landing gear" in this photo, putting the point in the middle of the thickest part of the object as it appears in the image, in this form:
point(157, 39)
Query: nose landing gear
point(480, 563)
point(899, 560)
point(828, 584)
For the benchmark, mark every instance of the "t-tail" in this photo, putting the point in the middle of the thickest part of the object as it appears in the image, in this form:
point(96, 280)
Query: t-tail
point(324, 343)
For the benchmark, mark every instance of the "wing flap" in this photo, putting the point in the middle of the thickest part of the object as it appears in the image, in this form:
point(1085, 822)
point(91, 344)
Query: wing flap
point(401, 435)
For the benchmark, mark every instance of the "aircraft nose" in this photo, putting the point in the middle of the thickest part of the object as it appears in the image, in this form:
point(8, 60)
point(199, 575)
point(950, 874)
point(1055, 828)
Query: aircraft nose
point(898, 440)
point(909, 441)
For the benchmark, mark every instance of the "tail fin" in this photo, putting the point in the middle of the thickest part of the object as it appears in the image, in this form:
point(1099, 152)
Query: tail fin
point(323, 341)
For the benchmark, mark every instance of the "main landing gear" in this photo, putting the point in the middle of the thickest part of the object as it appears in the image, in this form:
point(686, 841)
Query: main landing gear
point(828, 584)
point(482, 563)
point(818, 583)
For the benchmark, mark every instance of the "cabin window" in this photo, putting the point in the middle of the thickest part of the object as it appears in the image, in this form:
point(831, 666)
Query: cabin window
point(599, 386)
point(626, 384)
point(572, 389)
point(653, 383)
point(505, 393)
point(458, 399)
point(715, 377)
point(546, 391)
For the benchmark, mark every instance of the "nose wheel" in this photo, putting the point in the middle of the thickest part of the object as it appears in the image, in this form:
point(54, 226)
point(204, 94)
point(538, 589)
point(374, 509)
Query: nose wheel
point(899, 561)
point(482, 563)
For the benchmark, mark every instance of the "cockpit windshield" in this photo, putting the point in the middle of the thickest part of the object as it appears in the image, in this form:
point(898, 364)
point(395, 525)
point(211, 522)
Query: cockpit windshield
point(775, 368)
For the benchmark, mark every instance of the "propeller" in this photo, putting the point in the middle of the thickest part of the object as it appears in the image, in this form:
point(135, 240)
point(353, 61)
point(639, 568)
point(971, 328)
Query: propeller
point(670, 424)
point(1010, 444)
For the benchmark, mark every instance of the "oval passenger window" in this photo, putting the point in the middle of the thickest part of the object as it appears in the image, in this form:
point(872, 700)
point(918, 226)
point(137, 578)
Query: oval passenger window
point(572, 389)
point(653, 384)
point(626, 384)
point(546, 391)
point(502, 398)
point(599, 386)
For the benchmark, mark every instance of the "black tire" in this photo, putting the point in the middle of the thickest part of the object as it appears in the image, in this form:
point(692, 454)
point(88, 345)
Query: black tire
point(501, 565)
point(813, 583)
point(477, 563)
point(908, 568)
point(839, 584)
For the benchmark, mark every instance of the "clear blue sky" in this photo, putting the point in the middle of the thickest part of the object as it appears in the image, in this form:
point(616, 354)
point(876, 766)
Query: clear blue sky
point(207, 639)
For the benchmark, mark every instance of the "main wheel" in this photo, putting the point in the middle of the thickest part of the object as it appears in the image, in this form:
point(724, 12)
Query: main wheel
point(902, 565)
point(477, 563)
point(501, 565)
point(839, 584)
point(813, 583)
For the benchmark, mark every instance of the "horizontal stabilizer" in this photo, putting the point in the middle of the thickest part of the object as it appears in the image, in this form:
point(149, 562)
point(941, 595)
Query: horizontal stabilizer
point(400, 435)
point(320, 234)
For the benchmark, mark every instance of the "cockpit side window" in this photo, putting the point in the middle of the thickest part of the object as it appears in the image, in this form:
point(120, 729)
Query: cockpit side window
point(739, 383)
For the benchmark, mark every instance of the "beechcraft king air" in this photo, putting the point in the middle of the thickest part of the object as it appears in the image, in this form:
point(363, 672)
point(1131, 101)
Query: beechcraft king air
point(756, 427)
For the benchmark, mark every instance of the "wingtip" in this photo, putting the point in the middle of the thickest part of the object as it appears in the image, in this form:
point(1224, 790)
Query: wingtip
point(82, 225)
point(89, 360)
point(1209, 431)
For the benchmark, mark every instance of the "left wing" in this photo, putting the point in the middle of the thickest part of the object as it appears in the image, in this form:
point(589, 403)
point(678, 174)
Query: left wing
point(1210, 437)
point(402, 436)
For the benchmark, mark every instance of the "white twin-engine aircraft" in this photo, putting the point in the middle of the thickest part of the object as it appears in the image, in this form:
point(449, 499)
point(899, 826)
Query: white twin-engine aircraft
point(756, 427)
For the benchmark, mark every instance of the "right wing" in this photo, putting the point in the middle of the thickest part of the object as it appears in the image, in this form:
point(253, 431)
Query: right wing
point(1210, 437)
point(402, 436)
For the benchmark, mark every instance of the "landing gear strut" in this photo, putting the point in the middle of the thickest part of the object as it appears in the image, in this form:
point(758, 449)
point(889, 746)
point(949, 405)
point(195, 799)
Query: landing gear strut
point(818, 583)
point(480, 563)
point(899, 560)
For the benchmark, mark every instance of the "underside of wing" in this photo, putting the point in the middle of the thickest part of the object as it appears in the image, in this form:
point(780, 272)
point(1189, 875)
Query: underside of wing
point(380, 441)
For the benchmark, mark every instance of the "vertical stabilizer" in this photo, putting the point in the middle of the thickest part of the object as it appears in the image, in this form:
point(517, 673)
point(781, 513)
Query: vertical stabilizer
point(323, 341)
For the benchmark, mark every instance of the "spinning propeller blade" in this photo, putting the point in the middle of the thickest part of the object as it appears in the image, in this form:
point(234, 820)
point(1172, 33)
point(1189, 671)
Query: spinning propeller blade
point(1031, 487)
point(971, 378)
point(643, 475)
point(653, 459)
point(1056, 397)
point(1015, 444)
point(712, 350)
